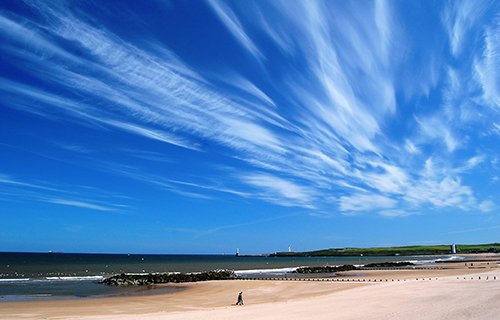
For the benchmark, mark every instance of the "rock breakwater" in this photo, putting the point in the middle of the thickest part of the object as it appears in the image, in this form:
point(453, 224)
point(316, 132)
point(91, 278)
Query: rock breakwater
point(128, 279)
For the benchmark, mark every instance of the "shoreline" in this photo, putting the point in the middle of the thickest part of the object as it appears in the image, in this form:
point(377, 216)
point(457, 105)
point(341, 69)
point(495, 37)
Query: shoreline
point(436, 262)
point(214, 299)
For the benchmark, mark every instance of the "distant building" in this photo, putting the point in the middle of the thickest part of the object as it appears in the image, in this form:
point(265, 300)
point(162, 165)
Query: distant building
point(453, 248)
point(289, 248)
point(237, 252)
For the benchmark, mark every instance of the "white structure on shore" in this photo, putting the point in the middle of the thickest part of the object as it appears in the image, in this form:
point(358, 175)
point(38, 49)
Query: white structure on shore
point(289, 248)
point(237, 252)
point(453, 248)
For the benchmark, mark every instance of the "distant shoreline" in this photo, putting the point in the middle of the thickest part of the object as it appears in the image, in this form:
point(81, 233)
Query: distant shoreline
point(397, 251)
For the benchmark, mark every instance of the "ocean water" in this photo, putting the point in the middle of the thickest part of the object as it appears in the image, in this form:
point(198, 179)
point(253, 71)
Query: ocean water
point(41, 276)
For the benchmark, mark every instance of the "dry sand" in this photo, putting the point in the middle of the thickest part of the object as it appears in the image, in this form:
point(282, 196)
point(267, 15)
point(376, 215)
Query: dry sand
point(447, 295)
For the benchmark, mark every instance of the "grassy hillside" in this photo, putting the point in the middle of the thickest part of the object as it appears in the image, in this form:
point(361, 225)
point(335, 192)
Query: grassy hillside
point(479, 248)
point(403, 251)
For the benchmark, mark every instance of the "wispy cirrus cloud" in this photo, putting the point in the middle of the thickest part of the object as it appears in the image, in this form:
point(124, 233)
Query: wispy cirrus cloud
point(395, 213)
point(385, 177)
point(80, 197)
point(81, 204)
point(436, 128)
point(279, 188)
point(335, 104)
point(459, 18)
point(207, 189)
point(446, 192)
point(366, 202)
point(326, 124)
point(234, 26)
point(487, 206)
point(487, 63)
point(143, 86)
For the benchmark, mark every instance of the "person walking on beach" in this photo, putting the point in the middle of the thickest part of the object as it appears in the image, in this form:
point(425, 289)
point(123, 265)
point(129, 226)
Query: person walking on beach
point(240, 299)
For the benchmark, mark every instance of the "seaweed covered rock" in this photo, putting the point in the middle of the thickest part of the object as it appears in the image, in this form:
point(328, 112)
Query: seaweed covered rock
point(325, 269)
point(128, 279)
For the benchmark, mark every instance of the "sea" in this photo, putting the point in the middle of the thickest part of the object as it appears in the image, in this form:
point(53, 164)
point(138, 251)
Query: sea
point(49, 276)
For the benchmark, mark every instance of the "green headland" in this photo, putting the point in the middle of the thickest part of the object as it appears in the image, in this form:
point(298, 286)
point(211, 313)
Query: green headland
point(394, 251)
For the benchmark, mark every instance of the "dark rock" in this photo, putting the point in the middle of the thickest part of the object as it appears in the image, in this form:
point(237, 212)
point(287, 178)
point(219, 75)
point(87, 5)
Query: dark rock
point(156, 278)
point(325, 269)
point(388, 264)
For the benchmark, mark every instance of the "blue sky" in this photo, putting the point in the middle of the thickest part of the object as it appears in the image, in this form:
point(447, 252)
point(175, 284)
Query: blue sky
point(202, 126)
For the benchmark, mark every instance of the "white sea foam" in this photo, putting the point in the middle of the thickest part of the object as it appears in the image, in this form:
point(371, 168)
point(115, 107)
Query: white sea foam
point(52, 279)
point(83, 278)
point(265, 271)
point(420, 262)
point(451, 258)
point(15, 280)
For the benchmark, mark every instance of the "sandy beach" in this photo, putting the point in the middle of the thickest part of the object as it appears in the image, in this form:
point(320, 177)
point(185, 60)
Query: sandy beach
point(459, 291)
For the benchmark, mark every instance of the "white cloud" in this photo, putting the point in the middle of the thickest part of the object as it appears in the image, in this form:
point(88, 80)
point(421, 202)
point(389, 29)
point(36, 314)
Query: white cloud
point(436, 129)
point(394, 213)
point(486, 67)
point(151, 133)
point(76, 196)
point(325, 126)
point(197, 189)
point(331, 90)
point(251, 133)
point(8, 180)
point(487, 206)
point(159, 93)
point(251, 88)
point(496, 128)
point(411, 148)
point(233, 24)
point(388, 179)
point(459, 17)
point(445, 192)
point(81, 204)
point(23, 34)
point(471, 163)
point(278, 188)
point(365, 203)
